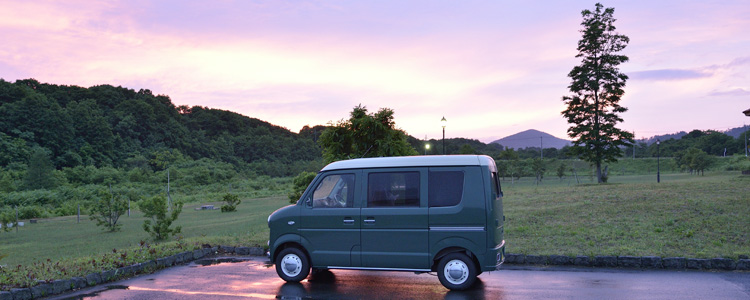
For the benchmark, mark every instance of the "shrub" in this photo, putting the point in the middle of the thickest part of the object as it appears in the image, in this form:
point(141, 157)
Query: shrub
point(30, 212)
point(299, 184)
point(108, 209)
point(738, 163)
point(7, 216)
point(155, 208)
point(232, 201)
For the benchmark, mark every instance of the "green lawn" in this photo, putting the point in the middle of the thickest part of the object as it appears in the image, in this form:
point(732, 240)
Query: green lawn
point(684, 215)
point(63, 237)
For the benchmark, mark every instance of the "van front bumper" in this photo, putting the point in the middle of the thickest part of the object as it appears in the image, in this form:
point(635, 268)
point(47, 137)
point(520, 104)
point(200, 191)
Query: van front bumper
point(500, 249)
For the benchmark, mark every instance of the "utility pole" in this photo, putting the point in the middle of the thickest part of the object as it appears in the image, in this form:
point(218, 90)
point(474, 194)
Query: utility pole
point(443, 122)
point(169, 197)
point(658, 155)
point(541, 146)
point(634, 142)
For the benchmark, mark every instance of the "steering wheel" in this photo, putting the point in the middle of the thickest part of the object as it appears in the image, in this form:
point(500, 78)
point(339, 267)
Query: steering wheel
point(338, 202)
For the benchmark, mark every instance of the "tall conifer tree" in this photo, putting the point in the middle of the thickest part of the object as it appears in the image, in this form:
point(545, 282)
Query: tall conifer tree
point(597, 85)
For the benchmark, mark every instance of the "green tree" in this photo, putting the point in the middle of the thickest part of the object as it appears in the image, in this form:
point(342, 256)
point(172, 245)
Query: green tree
point(467, 149)
point(365, 135)
point(515, 170)
point(39, 174)
point(502, 168)
point(162, 159)
point(539, 168)
point(701, 162)
point(596, 87)
point(91, 130)
point(155, 208)
point(508, 154)
point(38, 119)
point(231, 201)
point(108, 209)
point(561, 170)
point(299, 184)
point(695, 160)
point(12, 149)
point(7, 183)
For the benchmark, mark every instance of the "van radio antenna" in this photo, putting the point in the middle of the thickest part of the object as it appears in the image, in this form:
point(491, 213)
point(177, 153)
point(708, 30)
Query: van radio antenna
point(368, 150)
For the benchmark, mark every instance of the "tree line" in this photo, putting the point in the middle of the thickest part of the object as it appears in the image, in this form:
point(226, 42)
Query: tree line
point(109, 134)
point(107, 126)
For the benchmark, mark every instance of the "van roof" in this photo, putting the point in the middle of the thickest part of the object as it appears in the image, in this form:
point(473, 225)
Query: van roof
point(413, 161)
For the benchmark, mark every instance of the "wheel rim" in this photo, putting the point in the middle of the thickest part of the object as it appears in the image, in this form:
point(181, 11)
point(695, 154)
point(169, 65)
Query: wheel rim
point(456, 271)
point(291, 265)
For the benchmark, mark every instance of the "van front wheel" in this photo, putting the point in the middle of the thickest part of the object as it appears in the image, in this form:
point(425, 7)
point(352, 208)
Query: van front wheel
point(292, 265)
point(457, 271)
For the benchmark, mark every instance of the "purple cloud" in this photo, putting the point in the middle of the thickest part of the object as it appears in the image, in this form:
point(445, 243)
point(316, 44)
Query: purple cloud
point(733, 92)
point(668, 74)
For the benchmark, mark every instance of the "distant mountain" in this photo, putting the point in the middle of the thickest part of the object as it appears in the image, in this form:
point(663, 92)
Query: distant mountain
point(663, 137)
point(734, 132)
point(532, 138)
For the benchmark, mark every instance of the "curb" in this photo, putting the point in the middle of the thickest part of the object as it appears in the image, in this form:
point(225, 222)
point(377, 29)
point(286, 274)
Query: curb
point(45, 289)
point(632, 262)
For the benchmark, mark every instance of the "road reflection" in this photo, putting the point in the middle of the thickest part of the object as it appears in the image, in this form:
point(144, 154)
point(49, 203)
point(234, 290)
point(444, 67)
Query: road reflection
point(367, 285)
point(477, 291)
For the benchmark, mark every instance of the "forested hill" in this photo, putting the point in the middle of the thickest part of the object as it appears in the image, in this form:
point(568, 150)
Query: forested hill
point(111, 126)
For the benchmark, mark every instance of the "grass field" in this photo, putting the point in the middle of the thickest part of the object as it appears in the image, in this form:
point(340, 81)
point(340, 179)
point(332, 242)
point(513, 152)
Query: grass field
point(684, 215)
point(63, 237)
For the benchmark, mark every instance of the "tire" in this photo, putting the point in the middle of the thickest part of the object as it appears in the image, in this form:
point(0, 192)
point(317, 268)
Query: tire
point(457, 271)
point(292, 265)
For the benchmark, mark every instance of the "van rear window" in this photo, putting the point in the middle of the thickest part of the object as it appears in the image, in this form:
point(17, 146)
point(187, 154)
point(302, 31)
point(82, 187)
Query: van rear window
point(393, 189)
point(496, 190)
point(445, 188)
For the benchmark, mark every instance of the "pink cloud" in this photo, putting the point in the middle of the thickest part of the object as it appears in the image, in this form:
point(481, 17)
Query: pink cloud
point(492, 68)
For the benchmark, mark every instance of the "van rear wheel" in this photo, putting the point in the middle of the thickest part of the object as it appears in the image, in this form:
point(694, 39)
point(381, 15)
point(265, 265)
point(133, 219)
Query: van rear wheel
point(292, 265)
point(457, 271)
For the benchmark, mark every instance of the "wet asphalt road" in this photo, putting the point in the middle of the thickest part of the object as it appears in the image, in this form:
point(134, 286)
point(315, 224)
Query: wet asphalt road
point(253, 278)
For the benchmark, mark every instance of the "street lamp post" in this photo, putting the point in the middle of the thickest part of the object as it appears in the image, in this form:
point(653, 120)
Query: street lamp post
point(426, 147)
point(658, 155)
point(443, 122)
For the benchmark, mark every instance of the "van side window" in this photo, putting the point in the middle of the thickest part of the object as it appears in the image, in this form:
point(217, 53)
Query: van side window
point(334, 191)
point(393, 189)
point(446, 188)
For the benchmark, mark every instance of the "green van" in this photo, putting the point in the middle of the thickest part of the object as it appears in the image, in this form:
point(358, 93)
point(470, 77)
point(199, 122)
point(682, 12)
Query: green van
point(420, 214)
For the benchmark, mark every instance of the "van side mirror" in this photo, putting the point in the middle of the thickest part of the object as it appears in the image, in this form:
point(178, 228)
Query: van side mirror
point(309, 202)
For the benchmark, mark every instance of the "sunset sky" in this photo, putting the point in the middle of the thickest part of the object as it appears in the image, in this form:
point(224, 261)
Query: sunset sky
point(492, 68)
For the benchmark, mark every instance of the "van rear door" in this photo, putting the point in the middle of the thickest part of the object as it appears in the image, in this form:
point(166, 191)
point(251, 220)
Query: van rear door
point(457, 209)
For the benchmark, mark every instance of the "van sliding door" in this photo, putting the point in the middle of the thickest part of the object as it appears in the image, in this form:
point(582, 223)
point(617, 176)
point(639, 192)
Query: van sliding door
point(394, 219)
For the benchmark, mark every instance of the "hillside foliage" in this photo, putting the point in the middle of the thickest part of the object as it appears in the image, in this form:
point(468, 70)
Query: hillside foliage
point(107, 126)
